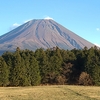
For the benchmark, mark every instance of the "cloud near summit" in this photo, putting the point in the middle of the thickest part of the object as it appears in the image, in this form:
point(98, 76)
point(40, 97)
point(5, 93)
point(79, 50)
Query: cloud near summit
point(15, 25)
point(27, 20)
point(48, 18)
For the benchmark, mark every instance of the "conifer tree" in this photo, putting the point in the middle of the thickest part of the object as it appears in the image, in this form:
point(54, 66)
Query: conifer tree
point(4, 73)
point(92, 66)
point(16, 72)
point(25, 56)
point(34, 72)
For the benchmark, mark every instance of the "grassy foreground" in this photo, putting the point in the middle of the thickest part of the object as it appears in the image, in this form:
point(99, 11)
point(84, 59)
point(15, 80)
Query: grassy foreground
point(56, 92)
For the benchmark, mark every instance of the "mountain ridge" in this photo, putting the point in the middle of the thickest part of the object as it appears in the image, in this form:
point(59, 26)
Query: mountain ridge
point(43, 33)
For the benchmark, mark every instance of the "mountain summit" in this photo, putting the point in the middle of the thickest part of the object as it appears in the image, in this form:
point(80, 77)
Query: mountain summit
point(41, 33)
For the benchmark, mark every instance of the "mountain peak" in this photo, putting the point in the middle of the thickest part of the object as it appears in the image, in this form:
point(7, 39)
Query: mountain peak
point(45, 33)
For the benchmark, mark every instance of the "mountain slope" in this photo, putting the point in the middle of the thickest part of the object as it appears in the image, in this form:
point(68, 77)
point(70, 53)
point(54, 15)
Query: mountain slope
point(41, 33)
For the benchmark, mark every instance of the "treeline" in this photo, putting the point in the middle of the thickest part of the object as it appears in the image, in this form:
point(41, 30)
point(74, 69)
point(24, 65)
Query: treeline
point(51, 66)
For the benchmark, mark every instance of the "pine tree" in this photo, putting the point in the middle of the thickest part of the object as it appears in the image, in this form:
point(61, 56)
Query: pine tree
point(16, 71)
point(9, 57)
point(34, 71)
point(92, 66)
point(4, 73)
point(42, 59)
point(25, 56)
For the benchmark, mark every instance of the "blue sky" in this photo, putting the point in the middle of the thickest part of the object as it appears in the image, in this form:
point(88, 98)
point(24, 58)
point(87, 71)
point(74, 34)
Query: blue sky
point(80, 16)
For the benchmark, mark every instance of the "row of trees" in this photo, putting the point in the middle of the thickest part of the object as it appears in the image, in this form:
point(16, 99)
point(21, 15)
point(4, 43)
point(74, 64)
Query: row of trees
point(56, 66)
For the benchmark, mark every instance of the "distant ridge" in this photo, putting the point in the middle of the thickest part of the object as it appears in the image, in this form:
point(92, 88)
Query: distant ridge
point(41, 33)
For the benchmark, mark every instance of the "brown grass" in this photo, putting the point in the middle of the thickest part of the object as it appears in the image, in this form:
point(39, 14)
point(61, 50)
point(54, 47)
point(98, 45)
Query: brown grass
point(56, 92)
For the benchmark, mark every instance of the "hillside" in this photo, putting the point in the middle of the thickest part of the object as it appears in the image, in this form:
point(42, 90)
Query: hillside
point(41, 33)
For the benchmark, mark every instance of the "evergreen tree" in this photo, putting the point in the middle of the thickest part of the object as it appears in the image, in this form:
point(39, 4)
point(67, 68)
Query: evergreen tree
point(25, 55)
point(42, 59)
point(34, 71)
point(9, 57)
point(4, 73)
point(54, 68)
point(92, 66)
point(51, 66)
point(16, 71)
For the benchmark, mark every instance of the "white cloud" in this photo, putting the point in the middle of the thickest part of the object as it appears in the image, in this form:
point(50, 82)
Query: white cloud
point(48, 18)
point(27, 20)
point(15, 25)
point(98, 29)
point(97, 44)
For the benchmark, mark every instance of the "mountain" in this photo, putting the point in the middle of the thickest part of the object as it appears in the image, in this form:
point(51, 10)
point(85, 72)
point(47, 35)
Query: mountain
point(41, 33)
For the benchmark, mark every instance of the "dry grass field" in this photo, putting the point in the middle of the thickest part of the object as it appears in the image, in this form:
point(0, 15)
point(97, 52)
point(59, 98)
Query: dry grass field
point(55, 92)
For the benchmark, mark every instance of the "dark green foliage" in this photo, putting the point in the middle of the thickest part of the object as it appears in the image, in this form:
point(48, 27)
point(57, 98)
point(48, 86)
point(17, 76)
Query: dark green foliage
point(51, 66)
point(17, 69)
point(34, 72)
point(4, 73)
point(43, 65)
point(92, 65)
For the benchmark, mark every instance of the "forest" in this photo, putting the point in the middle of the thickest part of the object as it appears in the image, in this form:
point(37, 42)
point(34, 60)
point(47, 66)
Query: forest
point(51, 66)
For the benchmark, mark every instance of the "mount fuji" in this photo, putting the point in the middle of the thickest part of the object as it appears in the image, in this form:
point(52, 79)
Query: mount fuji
point(43, 33)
